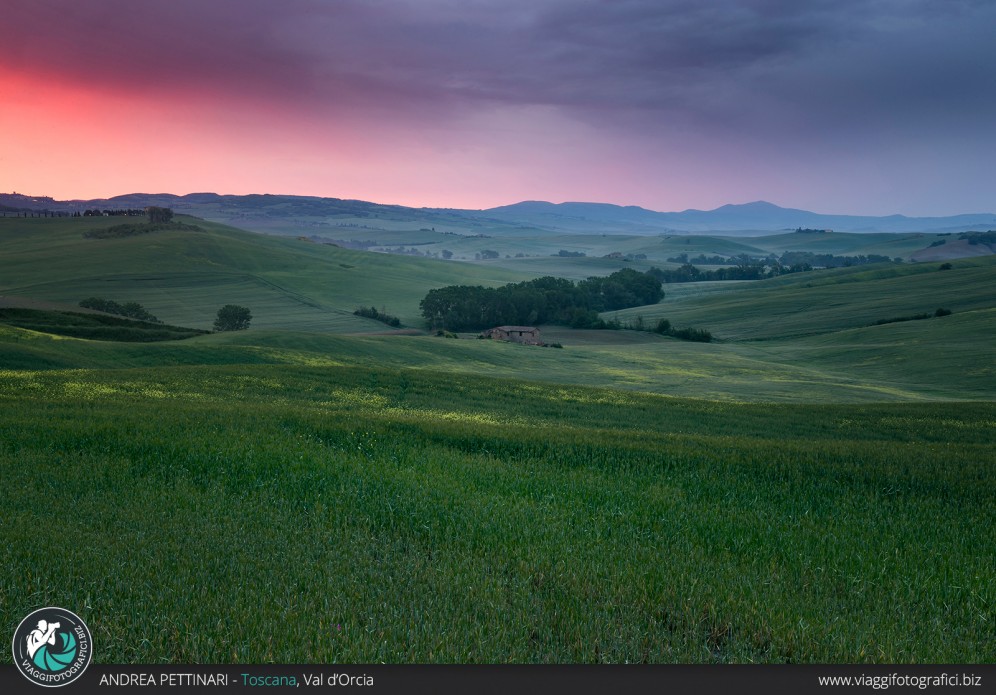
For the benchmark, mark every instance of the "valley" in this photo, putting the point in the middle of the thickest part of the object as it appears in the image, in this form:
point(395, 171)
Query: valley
point(810, 486)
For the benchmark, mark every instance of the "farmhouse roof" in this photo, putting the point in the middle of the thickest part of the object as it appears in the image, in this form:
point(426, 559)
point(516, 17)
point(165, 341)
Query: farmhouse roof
point(517, 328)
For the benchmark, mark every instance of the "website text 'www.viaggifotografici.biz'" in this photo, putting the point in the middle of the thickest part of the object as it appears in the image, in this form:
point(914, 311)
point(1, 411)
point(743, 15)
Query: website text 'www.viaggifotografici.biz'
point(902, 680)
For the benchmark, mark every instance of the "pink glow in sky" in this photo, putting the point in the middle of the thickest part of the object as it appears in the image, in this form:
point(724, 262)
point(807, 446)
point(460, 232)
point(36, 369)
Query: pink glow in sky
point(667, 105)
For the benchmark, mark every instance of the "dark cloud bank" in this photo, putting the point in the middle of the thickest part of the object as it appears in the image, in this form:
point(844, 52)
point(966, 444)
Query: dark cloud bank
point(790, 76)
point(679, 56)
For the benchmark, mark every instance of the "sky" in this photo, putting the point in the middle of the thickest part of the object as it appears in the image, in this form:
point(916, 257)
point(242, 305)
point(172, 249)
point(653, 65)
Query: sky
point(838, 106)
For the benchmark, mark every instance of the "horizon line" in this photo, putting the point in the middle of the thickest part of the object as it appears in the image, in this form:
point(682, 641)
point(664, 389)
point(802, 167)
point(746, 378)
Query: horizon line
point(519, 202)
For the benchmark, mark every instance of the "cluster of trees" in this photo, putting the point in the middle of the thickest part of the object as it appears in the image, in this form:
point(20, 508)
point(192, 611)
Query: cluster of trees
point(544, 300)
point(664, 327)
point(159, 219)
point(826, 260)
point(159, 215)
point(231, 317)
point(131, 310)
point(689, 273)
point(744, 267)
point(404, 251)
point(701, 259)
point(110, 213)
point(383, 317)
point(976, 238)
point(412, 251)
point(16, 212)
point(973, 238)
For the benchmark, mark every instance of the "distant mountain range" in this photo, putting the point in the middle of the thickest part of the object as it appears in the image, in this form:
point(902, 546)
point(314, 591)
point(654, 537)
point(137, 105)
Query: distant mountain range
point(589, 218)
point(757, 216)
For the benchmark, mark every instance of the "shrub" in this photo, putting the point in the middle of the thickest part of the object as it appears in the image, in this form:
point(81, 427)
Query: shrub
point(381, 316)
point(697, 335)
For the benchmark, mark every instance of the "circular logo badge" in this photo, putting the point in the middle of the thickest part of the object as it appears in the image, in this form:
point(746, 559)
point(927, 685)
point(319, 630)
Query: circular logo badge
point(52, 647)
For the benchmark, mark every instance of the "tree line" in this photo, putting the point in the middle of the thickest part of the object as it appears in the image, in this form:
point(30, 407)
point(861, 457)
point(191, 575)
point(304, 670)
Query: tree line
point(131, 310)
point(543, 300)
point(6, 211)
point(976, 238)
point(123, 212)
point(744, 267)
point(827, 260)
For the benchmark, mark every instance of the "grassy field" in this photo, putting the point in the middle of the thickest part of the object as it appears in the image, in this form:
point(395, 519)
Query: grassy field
point(464, 238)
point(185, 277)
point(802, 337)
point(849, 244)
point(824, 301)
point(258, 513)
point(809, 488)
point(897, 362)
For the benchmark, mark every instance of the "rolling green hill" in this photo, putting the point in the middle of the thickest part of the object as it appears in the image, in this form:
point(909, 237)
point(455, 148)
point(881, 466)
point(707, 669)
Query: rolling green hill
point(898, 362)
point(809, 488)
point(824, 301)
point(183, 277)
point(802, 336)
point(848, 244)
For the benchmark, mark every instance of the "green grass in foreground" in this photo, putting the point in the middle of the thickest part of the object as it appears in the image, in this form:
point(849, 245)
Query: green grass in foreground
point(279, 513)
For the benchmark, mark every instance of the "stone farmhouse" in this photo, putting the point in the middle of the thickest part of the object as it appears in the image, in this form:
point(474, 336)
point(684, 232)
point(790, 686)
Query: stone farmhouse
point(527, 335)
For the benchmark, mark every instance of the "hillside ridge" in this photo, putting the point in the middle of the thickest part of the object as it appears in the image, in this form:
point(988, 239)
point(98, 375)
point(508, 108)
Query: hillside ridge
point(581, 217)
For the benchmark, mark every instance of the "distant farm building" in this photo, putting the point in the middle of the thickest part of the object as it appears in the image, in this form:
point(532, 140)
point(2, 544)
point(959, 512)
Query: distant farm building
point(528, 335)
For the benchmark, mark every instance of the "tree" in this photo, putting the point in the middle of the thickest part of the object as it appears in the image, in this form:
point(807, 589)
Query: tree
point(159, 215)
point(232, 317)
